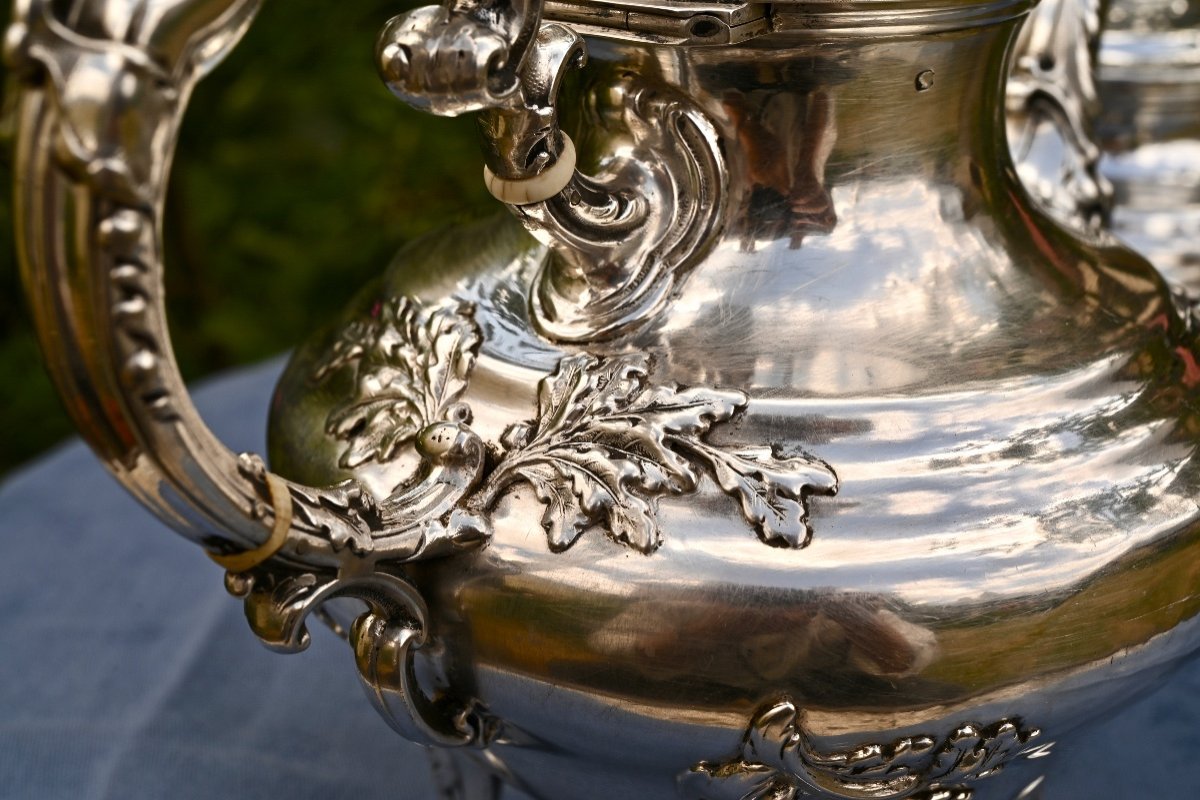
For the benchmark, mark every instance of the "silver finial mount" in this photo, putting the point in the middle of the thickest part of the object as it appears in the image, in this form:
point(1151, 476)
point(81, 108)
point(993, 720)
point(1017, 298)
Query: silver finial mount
point(621, 241)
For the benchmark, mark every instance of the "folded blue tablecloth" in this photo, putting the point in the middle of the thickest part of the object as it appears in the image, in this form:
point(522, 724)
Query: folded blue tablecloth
point(126, 672)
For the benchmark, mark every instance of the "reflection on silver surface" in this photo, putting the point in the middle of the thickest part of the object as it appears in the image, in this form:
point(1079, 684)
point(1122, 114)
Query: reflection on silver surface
point(596, 561)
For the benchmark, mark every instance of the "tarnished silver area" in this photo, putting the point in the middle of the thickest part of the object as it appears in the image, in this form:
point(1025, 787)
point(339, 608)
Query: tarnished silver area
point(549, 469)
point(1052, 106)
point(1150, 129)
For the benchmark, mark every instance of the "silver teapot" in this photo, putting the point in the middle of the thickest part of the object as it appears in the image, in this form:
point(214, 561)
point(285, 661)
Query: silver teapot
point(797, 453)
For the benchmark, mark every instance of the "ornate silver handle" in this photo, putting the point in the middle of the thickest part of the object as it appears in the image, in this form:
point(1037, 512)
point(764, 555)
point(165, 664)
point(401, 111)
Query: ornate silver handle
point(104, 86)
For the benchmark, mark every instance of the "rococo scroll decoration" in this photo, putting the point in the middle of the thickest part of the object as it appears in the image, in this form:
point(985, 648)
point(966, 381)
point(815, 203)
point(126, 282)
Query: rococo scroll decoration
point(278, 600)
point(780, 762)
point(604, 445)
point(624, 240)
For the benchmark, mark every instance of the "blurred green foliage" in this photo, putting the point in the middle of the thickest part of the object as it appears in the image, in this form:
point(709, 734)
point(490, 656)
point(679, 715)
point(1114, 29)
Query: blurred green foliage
point(297, 176)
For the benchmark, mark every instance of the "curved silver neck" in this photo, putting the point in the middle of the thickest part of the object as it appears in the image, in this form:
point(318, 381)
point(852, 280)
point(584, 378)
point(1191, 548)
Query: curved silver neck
point(799, 113)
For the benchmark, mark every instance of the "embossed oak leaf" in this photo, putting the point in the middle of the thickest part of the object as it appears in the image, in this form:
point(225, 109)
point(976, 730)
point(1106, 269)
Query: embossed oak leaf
point(600, 451)
point(605, 446)
point(771, 489)
point(413, 364)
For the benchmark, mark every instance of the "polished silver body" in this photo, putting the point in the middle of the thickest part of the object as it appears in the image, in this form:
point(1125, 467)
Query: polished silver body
point(800, 452)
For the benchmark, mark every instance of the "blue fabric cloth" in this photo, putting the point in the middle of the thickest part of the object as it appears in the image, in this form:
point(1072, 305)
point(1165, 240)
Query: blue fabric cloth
point(126, 672)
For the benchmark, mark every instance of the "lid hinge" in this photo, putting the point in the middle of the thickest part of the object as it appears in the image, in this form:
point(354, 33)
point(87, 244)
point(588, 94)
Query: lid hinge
point(663, 22)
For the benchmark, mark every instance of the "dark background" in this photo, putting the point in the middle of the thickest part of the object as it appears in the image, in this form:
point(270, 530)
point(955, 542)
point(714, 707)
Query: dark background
point(298, 176)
